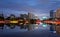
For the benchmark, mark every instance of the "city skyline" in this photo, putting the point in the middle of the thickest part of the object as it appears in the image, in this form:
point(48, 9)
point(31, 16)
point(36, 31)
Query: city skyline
point(38, 7)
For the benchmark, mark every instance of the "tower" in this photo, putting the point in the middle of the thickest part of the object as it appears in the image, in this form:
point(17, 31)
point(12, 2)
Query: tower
point(52, 14)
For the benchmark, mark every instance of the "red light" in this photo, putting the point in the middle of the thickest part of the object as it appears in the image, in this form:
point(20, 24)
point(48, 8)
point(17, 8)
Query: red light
point(37, 21)
point(7, 21)
point(2, 21)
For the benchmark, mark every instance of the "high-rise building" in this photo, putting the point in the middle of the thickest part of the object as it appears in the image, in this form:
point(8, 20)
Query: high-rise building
point(52, 13)
point(57, 14)
point(31, 15)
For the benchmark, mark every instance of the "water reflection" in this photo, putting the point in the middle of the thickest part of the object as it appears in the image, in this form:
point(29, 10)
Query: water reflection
point(24, 26)
point(1, 26)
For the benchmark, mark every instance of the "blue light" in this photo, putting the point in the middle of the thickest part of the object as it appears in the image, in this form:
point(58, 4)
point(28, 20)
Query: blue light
point(44, 25)
point(44, 17)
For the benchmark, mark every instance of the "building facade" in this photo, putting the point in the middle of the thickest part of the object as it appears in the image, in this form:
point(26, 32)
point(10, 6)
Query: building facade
point(57, 14)
point(52, 13)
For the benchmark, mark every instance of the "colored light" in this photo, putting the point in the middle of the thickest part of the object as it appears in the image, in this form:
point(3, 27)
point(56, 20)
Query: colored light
point(20, 23)
point(37, 21)
point(43, 18)
point(13, 21)
point(36, 27)
point(41, 23)
point(7, 21)
point(2, 22)
point(20, 20)
point(44, 25)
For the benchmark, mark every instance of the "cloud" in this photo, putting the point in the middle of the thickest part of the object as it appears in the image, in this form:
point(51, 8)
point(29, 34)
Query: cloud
point(7, 12)
point(42, 7)
point(23, 4)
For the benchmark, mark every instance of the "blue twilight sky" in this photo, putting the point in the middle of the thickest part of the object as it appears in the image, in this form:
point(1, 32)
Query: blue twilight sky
point(38, 7)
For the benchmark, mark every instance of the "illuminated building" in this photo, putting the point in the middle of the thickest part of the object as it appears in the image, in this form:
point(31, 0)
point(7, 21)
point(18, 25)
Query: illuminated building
point(24, 22)
point(52, 14)
point(12, 21)
point(52, 17)
point(30, 15)
point(57, 14)
point(32, 19)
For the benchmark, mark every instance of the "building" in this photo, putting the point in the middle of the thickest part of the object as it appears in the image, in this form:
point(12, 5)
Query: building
point(11, 17)
point(24, 16)
point(31, 15)
point(32, 24)
point(52, 13)
point(1, 16)
point(57, 14)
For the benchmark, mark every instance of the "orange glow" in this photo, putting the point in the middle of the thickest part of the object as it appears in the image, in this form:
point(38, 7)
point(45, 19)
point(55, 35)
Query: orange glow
point(20, 20)
point(47, 21)
point(2, 21)
point(53, 22)
point(7, 21)
point(37, 21)
point(26, 21)
point(58, 22)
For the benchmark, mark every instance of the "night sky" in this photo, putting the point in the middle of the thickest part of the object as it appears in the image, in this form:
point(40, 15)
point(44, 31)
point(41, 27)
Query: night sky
point(38, 7)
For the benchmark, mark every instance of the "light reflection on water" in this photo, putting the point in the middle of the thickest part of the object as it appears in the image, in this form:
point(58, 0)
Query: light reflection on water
point(7, 29)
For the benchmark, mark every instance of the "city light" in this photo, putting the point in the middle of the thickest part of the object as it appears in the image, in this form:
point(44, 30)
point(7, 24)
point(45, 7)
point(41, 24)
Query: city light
point(41, 23)
point(14, 21)
point(44, 17)
point(36, 27)
point(2, 21)
point(20, 23)
point(44, 25)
